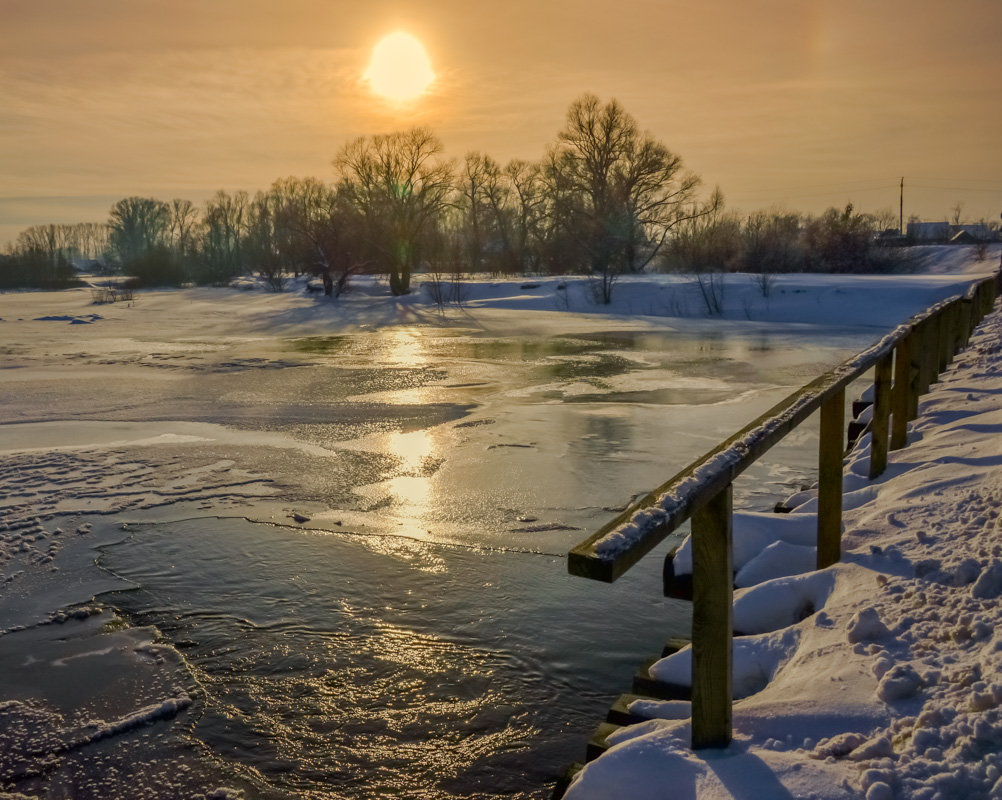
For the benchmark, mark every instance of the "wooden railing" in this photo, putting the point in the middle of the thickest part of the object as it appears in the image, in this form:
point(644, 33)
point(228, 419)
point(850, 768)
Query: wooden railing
point(905, 363)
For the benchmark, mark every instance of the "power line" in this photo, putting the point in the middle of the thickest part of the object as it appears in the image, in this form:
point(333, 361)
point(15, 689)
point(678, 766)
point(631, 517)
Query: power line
point(996, 190)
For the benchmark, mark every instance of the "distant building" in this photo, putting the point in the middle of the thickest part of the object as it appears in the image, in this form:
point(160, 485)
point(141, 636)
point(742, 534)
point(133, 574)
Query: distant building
point(929, 231)
point(967, 233)
point(975, 232)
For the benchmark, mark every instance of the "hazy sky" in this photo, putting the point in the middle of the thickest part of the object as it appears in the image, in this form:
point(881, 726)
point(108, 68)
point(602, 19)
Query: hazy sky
point(794, 103)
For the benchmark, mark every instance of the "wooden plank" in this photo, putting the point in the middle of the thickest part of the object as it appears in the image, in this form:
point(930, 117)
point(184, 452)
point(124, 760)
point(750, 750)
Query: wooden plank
point(830, 455)
point(903, 393)
point(881, 415)
point(712, 599)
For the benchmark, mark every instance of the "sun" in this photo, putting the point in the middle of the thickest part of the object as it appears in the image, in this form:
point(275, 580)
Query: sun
point(399, 69)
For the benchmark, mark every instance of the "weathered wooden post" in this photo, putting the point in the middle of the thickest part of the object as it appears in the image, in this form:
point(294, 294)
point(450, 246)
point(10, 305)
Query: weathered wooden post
point(982, 301)
point(943, 342)
point(881, 415)
point(904, 395)
point(966, 321)
point(930, 353)
point(956, 328)
point(830, 454)
point(712, 629)
point(952, 344)
point(975, 310)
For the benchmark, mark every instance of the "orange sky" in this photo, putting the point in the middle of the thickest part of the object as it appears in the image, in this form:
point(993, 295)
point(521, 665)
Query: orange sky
point(801, 104)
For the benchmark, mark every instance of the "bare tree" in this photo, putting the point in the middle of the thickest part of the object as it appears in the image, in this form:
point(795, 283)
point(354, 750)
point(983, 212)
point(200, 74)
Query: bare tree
point(617, 190)
point(516, 200)
point(226, 219)
point(38, 259)
point(319, 232)
point(139, 241)
point(400, 187)
point(182, 226)
point(137, 226)
point(477, 184)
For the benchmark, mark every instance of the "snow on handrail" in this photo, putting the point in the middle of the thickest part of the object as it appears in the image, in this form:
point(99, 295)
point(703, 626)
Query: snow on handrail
point(619, 544)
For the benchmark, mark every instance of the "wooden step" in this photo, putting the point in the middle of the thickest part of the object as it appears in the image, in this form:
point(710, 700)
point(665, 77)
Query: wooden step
point(854, 431)
point(674, 644)
point(619, 711)
point(644, 684)
point(598, 743)
point(564, 781)
point(677, 586)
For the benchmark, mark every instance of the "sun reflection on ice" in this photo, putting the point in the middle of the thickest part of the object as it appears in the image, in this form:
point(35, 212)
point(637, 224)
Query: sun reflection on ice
point(406, 347)
point(410, 496)
point(413, 449)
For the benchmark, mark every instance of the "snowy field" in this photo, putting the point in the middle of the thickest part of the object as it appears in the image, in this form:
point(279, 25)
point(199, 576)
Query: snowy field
point(198, 483)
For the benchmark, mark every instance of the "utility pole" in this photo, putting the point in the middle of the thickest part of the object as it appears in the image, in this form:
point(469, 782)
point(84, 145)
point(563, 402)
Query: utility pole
point(901, 208)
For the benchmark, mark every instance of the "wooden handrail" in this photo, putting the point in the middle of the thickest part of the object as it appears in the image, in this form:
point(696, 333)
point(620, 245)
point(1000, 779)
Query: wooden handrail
point(622, 542)
point(913, 354)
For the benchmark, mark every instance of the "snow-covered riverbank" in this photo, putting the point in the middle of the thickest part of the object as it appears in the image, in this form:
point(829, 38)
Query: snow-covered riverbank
point(892, 686)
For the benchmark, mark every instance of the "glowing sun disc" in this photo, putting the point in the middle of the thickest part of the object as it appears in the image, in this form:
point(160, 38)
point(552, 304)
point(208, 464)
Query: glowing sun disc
point(399, 69)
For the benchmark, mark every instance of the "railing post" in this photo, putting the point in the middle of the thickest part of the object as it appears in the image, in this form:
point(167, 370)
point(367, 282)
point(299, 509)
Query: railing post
point(953, 330)
point(881, 415)
point(712, 629)
point(930, 353)
point(904, 397)
point(944, 342)
point(830, 455)
point(966, 322)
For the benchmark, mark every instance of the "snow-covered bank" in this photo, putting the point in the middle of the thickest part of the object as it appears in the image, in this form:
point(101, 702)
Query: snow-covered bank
point(567, 304)
point(891, 686)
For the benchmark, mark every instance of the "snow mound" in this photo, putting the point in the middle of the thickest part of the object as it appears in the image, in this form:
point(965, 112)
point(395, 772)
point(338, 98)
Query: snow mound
point(781, 602)
point(756, 660)
point(866, 625)
point(778, 560)
point(752, 533)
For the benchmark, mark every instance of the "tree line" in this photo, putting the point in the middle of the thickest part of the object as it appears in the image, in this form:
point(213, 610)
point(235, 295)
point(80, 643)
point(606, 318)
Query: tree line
point(606, 199)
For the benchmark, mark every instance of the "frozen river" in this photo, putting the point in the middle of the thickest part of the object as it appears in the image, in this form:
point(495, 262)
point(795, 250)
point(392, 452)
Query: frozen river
point(348, 550)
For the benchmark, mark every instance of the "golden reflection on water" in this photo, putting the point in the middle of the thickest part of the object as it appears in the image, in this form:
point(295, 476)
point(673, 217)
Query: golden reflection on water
point(418, 554)
point(406, 347)
point(411, 495)
point(414, 449)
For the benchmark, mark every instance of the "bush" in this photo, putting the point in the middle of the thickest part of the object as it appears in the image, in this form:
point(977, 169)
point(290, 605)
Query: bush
point(840, 241)
point(34, 269)
point(156, 267)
